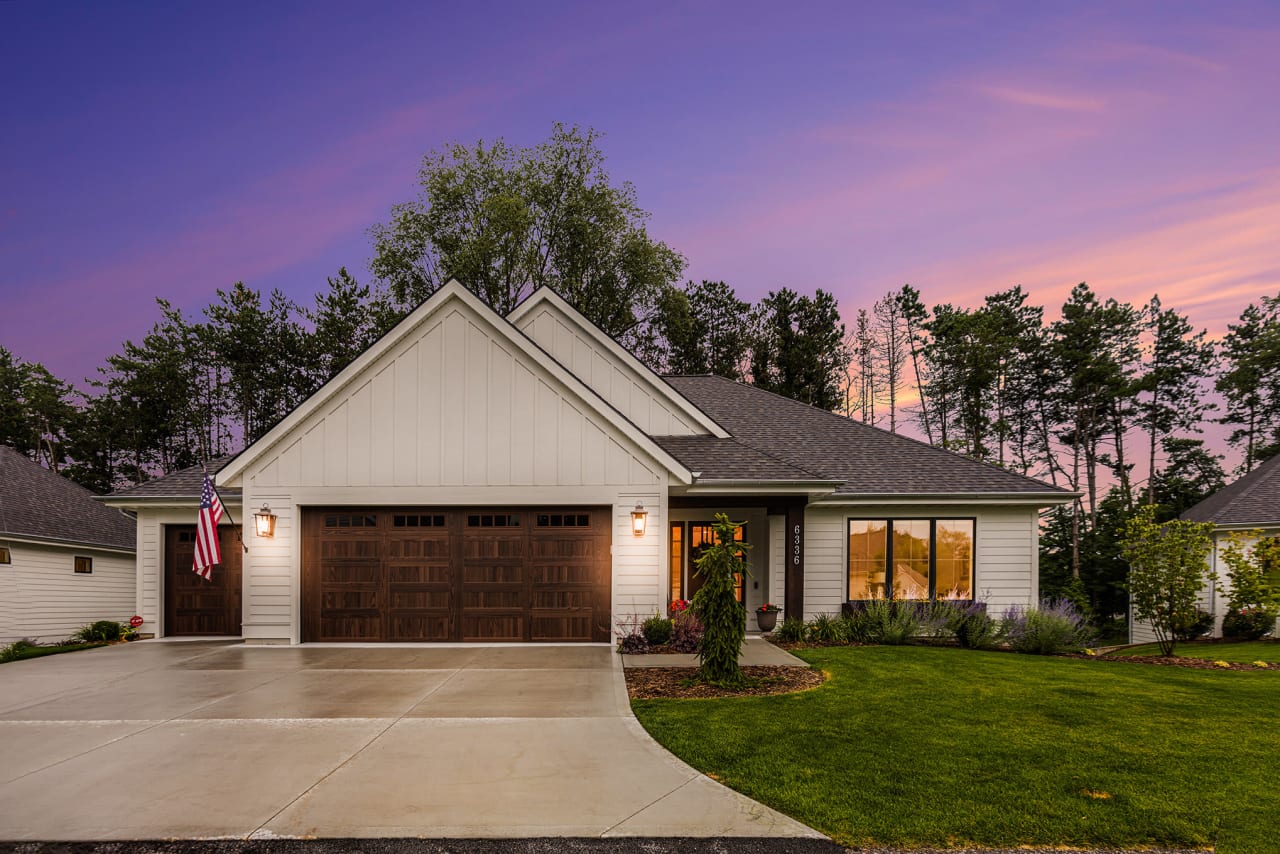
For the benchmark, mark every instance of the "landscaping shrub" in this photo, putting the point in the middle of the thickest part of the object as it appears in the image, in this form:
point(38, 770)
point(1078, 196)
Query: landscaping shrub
point(1248, 623)
point(1052, 629)
point(723, 617)
point(657, 630)
point(825, 629)
point(854, 624)
point(631, 639)
point(971, 625)
point(1188, 629)
point(16, 650)
point(792, 630)
point(892, 623)
point(102, 630)
point(686, 632)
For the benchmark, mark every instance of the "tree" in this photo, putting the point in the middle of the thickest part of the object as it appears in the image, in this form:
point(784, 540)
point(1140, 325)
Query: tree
point(506, 220)
point(890, 345)
point(1191, 474)
point(1250, 381)
point(723, 617)
point(1173, 398)
point(1253, 569)
point(914, 316)
point(1168, 567)
point(344, 323)
point(799, 350)
point(703, 328)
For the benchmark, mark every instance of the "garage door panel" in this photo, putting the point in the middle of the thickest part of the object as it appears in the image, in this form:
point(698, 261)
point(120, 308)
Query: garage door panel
point(421, 574)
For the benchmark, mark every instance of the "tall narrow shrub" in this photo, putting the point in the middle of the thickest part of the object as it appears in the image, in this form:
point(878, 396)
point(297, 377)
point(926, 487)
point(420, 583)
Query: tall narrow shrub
point(723, 617)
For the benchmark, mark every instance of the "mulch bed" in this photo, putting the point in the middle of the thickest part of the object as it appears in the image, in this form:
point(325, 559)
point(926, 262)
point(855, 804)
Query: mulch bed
point(648, 683)
point(1193, 663)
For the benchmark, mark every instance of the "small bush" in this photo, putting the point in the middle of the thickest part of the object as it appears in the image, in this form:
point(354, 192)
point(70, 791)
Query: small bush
point(972, 626)
point(656, 630)
point(631, 639)
point(17, 649)
point(1052, 629)
point(854, 625)
point(1248, 623)
point(686, 632)
point(102, 630)
point(892, 623)
point(792, 630)
point(825, 629)
point(1190, 629)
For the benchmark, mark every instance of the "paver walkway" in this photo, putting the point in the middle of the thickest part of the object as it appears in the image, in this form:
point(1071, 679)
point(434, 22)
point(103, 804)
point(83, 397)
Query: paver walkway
point(159, 740)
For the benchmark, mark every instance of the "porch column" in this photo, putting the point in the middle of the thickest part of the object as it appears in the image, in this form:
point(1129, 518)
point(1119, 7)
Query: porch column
point(794, 553)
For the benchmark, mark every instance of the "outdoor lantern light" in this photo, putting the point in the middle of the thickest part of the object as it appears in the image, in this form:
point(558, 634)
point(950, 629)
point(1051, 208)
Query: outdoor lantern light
point(265, 521)
point(639, 517)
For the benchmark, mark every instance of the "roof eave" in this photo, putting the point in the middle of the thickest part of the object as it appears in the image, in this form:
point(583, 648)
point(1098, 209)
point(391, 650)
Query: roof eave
point(10, 537)
point(1038, 499)
point(127, 501)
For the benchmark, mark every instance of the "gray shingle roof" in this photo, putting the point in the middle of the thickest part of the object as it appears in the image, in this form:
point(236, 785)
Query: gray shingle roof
point(729, 459)
point(42, 505)
point(1252, 500)
point(869, 460)
point(184, 483)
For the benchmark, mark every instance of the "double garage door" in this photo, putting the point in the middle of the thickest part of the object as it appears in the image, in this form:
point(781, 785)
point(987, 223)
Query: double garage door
point(423, 574)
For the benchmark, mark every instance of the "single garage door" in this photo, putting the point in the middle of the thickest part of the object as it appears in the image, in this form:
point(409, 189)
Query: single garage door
point(423, 574)
point(193, 606)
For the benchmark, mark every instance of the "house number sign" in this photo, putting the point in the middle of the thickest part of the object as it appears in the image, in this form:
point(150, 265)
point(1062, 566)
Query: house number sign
point(795, 546)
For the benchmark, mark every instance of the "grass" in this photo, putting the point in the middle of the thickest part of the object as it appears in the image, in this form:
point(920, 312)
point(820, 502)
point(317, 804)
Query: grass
point(8, 654)
point(1242, 652)
point(932, 746)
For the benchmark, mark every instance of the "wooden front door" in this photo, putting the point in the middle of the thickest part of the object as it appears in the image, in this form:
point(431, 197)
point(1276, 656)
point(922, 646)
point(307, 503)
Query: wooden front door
point(414, 574)
point(194, 606)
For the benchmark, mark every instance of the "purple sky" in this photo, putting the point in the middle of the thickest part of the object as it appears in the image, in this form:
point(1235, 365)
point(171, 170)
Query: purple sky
point(170, 149)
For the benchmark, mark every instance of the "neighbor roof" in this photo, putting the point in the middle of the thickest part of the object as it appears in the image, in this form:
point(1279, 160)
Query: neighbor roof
point(1252, 500)
point(868, 460)
point(181, 484)
point(39, 504)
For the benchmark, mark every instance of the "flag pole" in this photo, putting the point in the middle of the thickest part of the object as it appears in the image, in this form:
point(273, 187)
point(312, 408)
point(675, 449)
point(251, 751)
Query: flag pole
point(226, 511)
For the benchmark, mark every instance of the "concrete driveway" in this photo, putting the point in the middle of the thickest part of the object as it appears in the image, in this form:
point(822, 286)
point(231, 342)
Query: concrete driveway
point(157, 740)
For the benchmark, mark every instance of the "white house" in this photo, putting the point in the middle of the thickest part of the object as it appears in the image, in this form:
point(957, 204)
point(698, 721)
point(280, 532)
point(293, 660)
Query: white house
point(65, 560)
point(474, 477)
point(1249, 507)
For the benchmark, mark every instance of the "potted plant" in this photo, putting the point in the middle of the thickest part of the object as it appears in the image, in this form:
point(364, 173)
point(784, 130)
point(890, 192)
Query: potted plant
point(767, 616)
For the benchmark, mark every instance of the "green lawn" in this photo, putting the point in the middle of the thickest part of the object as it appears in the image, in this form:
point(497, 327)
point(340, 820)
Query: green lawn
point(7, 654)
point(936, 746)
point(1245, 652)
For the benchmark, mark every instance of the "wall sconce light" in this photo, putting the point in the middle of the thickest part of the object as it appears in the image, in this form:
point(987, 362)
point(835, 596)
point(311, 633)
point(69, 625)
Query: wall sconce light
point(265, 521)
point(639, 518)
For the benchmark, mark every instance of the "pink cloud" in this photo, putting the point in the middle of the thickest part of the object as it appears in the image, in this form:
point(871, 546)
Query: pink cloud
point(1044, 99)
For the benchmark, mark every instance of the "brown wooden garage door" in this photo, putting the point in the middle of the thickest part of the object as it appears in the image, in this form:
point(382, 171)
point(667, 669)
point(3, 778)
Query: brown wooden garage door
point(193, 606)
point(413, 574)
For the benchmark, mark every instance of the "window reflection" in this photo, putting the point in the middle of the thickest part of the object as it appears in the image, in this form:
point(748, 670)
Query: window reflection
point(929, 558)
point(954, 561)
point(868, 550)
point(910, 558)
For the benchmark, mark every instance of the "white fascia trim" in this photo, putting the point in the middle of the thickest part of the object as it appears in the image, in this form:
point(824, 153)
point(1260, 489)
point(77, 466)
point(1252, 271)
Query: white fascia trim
point(745, 488)
point(1245, 527)
point(450, 291)
point(660, 385)
point(66, 544)
point(151, 503)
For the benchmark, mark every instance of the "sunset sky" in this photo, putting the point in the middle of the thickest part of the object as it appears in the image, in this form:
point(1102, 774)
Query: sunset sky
point(171, 149)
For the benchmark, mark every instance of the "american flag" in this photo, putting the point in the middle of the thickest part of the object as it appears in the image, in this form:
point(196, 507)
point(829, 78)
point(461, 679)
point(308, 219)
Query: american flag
point(208, 553)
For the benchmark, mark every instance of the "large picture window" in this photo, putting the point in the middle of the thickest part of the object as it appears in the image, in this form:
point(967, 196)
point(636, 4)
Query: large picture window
point(911, 558)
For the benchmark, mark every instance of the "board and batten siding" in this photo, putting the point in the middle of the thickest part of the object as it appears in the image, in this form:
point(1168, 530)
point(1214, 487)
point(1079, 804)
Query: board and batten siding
point(1006, 552)
point(642, 398)
point(48, 600)
point(452, 415)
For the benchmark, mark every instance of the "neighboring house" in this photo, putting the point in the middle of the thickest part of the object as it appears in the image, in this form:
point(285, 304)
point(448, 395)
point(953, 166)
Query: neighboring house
point(65, 560)
point(473, 477)
point(1250, 504)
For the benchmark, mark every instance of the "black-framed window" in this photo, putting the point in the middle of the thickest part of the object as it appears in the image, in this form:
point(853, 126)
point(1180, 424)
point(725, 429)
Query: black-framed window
point(84, 565)
point(911, 558)
point(688, 541)
point(5, 555)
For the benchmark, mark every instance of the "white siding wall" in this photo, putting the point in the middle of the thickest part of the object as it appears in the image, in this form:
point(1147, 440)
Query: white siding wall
point(149, 585)
point(1005, 557)
point(637, 395)
point(48, 599)
point(454, 414)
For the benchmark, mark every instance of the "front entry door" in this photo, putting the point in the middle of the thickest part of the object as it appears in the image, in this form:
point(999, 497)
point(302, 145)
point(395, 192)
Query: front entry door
point(194, 606)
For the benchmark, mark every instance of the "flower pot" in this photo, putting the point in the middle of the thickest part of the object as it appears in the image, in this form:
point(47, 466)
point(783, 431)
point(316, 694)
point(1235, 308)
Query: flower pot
point(766, 620)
